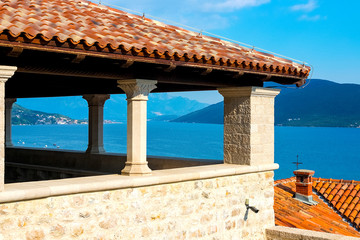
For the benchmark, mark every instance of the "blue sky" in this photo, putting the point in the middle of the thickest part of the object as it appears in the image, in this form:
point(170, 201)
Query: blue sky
point(324, 33)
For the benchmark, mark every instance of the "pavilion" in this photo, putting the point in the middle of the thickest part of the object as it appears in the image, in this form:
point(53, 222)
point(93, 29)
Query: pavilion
point(77, 48)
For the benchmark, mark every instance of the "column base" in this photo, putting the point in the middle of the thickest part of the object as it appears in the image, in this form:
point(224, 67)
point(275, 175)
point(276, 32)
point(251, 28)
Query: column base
point(95, 150)
point(133, 169)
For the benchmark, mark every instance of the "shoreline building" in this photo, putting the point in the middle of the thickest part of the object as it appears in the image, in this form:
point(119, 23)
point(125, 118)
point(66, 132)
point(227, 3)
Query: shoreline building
point(78, 48)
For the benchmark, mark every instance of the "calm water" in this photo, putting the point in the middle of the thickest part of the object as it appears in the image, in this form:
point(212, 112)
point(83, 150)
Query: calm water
point(331, 152)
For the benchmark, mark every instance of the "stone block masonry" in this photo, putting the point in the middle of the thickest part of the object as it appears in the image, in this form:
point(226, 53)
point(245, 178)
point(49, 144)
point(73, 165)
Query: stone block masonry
point(211, 208)
point(248, 125)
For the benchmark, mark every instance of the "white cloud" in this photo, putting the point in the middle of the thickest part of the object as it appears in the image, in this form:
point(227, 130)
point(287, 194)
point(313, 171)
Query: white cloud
point(157, 113)
point(201, 14)
point(211, 22)
point(311, 18)
point(231, 5)
point(307, 7)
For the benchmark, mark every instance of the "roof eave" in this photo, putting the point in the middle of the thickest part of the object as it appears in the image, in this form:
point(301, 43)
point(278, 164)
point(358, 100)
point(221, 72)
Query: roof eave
point(286, 75)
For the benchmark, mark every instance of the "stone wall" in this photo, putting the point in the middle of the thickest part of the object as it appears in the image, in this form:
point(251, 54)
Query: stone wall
point(209, 208)
point(249, 125)
point(285, 233)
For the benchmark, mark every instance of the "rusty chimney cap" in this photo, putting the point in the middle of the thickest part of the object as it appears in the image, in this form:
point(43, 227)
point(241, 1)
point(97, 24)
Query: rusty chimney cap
point(304, 172)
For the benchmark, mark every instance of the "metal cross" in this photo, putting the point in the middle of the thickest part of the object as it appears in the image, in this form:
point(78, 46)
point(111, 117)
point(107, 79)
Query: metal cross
point(297, 162)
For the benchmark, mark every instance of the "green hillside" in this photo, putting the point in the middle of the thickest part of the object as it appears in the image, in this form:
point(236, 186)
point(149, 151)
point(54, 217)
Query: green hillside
point(321, 104)
point(24, 116)
point(211, 114)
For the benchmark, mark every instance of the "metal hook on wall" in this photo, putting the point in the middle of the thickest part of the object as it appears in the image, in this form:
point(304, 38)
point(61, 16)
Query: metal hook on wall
point(252, 208)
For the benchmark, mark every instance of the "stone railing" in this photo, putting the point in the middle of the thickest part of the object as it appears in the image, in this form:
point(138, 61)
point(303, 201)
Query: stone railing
point(29, 164)
point(285, 233)
point(18, 172)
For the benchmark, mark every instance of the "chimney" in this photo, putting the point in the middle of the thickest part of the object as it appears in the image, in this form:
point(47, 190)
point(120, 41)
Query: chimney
point(304, 186)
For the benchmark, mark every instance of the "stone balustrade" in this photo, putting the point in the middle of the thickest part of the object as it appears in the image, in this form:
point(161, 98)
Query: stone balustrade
point(57, 164)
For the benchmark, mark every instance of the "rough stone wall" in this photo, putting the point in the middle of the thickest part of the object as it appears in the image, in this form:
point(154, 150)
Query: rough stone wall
point(208, 209)
point(286, 233)
point(249, 130)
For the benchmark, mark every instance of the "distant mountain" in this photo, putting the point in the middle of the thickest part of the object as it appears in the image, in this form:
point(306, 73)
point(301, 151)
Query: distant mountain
point(24, 116)
point(211, 114)
point(164, 118)
point(322, 103)
point(160, 106)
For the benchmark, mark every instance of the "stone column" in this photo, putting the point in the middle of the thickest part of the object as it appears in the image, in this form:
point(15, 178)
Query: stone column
point(8, 108)
point(6, 72)
point(137, 91)
point(96, 122)
point(249, 125)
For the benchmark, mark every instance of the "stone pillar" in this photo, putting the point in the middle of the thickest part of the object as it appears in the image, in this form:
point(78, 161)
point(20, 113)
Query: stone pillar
point(8, 108)
point(6, 72)
point(249, 125)
point(137, 91)
point(96, 122)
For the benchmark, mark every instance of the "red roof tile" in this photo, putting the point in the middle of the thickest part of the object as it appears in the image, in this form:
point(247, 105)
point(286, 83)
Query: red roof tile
point(290, 212)
point(344, 197)
point(100, 28)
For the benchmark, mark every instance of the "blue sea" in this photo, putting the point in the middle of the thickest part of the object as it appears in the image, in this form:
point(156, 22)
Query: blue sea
point(331, 152)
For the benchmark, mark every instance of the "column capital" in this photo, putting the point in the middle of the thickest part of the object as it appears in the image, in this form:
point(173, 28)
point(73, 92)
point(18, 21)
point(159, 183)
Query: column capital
point(96, 99)
point(6, 72)
point(137, 89)
point(9, 102)
point(248, 91)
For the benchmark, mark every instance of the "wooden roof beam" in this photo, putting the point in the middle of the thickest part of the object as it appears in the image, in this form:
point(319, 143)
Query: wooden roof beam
point(207, 71)
point(79, 58)
point(15, 51)
point(127, 63)
point(170, 68)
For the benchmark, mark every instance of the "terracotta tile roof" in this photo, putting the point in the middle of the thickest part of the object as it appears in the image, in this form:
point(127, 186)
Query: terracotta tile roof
point(80, 24)
point(290, 212)
point(344, 196)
